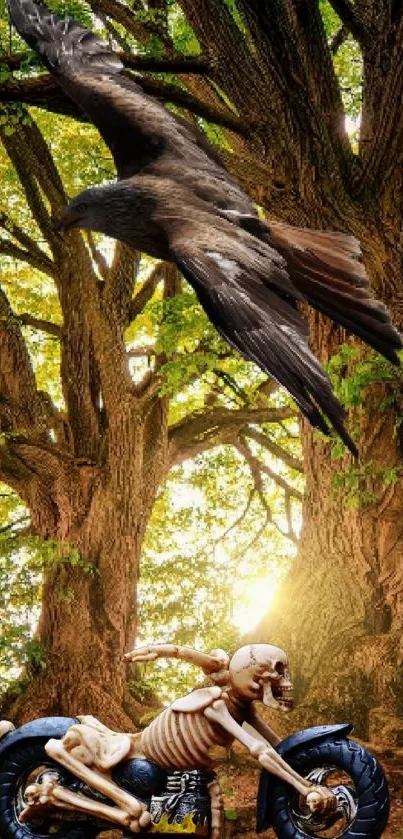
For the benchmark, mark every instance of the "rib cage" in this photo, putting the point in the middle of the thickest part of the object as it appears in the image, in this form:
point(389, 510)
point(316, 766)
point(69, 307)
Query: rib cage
point(179, 740)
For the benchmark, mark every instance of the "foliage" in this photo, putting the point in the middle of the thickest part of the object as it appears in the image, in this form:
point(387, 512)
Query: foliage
point(353, 371)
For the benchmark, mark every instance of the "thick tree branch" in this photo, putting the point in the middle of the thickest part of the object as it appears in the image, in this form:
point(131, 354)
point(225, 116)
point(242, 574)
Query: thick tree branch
point(196, 432)
point(167, 92)
point(44, 92)
point(136, 25)
point(348, 16)
point(39, 257)
point(97, 257)
point(381, 134)
point(119, 284)
point(146, 292)
point(8, 248)
point(13, 472)
point(21, 405)
point(42, 325)
point(47, 174)
point(176, 64)
point(291, 41)
point(28, 168)
point(30, 252)
point(274, 449)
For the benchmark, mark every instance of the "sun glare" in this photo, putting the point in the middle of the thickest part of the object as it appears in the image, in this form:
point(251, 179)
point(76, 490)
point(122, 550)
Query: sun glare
point(251, 605)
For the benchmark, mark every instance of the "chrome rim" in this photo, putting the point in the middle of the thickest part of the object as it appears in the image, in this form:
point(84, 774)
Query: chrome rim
point(335, 824)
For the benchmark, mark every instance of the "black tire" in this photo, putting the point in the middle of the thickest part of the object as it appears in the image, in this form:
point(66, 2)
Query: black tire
point(371, 789)
point(15, 767)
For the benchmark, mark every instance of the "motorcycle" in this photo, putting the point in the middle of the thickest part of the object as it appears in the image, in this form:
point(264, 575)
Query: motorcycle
point(179, 801)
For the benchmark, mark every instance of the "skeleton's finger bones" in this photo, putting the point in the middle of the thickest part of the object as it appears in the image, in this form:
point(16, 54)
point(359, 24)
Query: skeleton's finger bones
point(140, 655)
point(145, 819)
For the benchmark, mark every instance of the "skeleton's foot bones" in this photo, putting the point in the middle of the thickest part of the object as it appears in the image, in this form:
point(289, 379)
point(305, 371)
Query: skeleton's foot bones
point(43, 798)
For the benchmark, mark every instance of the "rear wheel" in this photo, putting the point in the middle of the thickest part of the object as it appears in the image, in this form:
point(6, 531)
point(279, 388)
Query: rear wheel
point(356, 779)
point(25, 764)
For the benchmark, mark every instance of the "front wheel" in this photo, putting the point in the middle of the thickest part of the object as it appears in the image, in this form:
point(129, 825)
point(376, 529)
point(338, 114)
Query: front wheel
point(24, 764)
point(357, 780)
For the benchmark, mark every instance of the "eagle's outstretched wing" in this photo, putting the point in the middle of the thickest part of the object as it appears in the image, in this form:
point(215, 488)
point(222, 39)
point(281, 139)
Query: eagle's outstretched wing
point(263, 326)
point(137, 129)
point(249, 291)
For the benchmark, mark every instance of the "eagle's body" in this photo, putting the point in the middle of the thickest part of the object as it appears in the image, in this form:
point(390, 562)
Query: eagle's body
point(175, 200)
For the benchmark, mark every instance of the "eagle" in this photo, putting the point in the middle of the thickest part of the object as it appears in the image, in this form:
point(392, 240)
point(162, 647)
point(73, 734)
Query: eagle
point(175, 200)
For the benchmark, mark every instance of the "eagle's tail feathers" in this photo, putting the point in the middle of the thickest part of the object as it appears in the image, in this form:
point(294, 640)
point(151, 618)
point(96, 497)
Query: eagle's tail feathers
point(325, 269)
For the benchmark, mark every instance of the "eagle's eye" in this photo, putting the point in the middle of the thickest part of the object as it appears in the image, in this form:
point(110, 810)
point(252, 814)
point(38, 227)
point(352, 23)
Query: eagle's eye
point(82, 207)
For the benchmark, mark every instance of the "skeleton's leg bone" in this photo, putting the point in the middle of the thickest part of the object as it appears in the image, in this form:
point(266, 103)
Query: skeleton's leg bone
point(50, 794)
point(114, 814)
point(105, 748)
point(217, 810)
point(88, 719)
point(266, 755)
point(95, 779)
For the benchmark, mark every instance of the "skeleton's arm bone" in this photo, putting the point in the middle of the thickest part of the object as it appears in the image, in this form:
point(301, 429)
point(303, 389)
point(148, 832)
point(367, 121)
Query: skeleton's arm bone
point(265, 754)
point(208, 663)
point(262, 728)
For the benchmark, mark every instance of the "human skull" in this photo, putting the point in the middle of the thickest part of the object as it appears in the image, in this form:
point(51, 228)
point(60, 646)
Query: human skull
point(260, 671)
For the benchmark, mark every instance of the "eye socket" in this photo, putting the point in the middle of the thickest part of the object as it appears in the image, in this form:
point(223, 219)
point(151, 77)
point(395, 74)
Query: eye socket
point(279, 667)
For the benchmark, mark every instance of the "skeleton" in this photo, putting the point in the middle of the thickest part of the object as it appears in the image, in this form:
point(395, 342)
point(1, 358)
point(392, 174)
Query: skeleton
point(182, 736)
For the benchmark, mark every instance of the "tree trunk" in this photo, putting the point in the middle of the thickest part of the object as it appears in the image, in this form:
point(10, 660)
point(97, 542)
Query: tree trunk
point(88, 615)
point(339, 613)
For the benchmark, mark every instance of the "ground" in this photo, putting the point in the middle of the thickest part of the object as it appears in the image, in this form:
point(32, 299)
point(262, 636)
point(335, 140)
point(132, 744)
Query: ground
point(239, 780)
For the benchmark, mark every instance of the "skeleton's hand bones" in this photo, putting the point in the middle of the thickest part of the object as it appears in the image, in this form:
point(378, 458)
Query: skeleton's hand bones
point(142, 654)
point(321, 800)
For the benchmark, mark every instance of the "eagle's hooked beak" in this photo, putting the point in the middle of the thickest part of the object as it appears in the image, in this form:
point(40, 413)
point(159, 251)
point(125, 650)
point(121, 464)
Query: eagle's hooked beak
point(70, 218)
point(61, 224)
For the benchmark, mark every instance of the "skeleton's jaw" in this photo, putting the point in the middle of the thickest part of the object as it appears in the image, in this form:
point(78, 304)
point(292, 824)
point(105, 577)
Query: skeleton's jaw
point(268, 698)
point(277, 696)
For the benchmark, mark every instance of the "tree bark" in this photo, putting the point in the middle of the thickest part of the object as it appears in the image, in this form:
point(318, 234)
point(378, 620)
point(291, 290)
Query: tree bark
point(88, 617)
point(339, 613)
